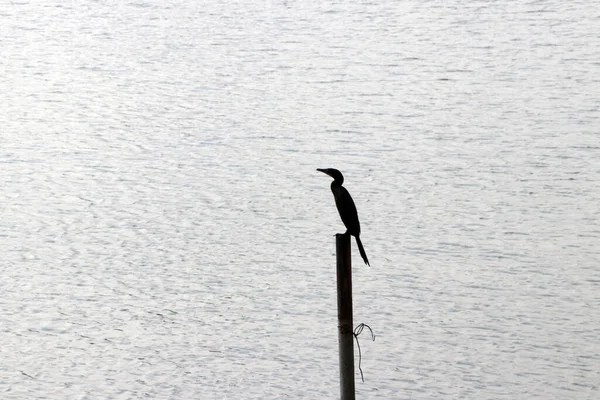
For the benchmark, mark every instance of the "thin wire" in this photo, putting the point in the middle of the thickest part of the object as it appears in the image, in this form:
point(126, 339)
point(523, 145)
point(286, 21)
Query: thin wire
point(357, 331)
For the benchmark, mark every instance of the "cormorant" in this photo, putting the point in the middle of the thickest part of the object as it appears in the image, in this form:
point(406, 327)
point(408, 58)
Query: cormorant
point(346, 207)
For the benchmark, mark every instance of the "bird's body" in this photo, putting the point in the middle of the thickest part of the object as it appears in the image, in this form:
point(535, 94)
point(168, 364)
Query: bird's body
point(346, 208)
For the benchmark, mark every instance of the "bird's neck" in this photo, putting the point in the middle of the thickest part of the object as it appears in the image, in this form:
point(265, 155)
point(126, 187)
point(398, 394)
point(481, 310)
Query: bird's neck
point(337, 183)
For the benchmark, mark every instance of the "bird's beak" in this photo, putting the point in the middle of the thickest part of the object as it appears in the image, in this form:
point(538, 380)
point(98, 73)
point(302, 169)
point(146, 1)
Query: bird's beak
point(322, 170)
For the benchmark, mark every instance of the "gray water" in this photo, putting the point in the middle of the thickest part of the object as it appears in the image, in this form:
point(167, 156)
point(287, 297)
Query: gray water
point(164, 233)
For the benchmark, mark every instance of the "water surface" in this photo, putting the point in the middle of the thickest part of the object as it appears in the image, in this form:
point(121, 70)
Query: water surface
point(164, 233)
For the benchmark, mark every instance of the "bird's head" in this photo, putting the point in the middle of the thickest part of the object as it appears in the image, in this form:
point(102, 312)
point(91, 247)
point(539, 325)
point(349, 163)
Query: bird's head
point(334, 173)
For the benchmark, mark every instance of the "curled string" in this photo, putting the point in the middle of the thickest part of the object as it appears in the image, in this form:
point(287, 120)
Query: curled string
point(357, 331)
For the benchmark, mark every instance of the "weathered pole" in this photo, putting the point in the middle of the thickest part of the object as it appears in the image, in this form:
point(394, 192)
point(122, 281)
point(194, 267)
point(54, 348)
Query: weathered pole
point(345, 322)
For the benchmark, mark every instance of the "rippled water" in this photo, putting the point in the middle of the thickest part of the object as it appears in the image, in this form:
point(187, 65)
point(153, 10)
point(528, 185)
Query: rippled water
point(164, 233)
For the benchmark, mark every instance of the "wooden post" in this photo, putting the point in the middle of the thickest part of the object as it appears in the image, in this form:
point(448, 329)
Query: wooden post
point(345, 322)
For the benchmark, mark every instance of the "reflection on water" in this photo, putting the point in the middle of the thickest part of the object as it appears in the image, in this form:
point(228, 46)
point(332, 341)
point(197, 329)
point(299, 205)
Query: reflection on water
point(165, 234)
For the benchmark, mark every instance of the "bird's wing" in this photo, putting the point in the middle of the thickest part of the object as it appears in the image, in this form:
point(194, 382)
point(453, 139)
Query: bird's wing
point(347, 210)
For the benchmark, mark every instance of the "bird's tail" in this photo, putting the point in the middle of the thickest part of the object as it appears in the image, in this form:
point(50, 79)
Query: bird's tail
point(361, 249)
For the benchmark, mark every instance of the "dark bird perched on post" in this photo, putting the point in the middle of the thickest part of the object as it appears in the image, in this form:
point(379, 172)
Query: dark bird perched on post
point(346, 207)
